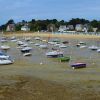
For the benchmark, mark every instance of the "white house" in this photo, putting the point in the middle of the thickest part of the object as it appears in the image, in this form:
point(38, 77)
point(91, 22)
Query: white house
point(25, 28)
point(95, 29)
point(79, 27)
point(62, 28)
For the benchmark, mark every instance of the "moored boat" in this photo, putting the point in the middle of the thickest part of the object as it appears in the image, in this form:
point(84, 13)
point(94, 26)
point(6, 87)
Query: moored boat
point(65, 42)
point(98, 50)
point(37, 38)
point(78, 45)
point(5, 59)
point(82, 43)
point(64, 59)
point(83, 46)
point(37, 44)
point(93, 47)
point(20, 43)
point(27, 54)
point(78, 65)
point(26, 49)
point(54, 54)
point(43, 46)
point(62, 46)
point(5, 47)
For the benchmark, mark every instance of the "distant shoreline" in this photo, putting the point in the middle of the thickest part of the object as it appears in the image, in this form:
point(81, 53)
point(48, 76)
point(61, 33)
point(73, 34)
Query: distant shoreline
point(47, 34)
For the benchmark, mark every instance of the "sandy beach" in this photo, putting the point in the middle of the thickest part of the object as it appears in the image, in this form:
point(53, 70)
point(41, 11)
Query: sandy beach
point(77, 36)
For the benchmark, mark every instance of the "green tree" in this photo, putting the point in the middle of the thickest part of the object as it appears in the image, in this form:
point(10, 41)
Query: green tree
point(94, 23)
point(11, 21)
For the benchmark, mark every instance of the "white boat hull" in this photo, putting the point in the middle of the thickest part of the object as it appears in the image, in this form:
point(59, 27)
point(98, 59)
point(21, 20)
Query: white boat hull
point(5, 62)
point(27, 54)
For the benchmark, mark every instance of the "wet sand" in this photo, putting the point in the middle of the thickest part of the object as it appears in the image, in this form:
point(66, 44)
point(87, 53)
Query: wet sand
point(30, 88)
point(26, 79)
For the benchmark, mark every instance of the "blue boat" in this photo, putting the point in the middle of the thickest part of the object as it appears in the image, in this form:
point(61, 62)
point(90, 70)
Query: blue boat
point(78, 65)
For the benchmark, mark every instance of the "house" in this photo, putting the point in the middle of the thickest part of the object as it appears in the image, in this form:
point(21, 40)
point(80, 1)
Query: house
point(70, 27)
point(85, 29)
point(25, 28)
point(95, 29)
point(62, 28)
point(79, 27)
point(82, 28)
point(10, 28)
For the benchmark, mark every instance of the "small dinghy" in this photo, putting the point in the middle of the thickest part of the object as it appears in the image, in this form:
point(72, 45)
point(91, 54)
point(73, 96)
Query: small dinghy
point(54, 54)
point(27, 54)
point(64, 59)
point(20, 43)
point(5, 47)
point(43, 46)
point(52, 43)
point(57, 45)
point(37, 44)
point(65, 42)
point(93, 47)
point(83, 46)
point(5, 59)
point(13, 39)
point(56, 40)
point(98, 50)
point(44, 40)
point(26, 49)
point(24, 45)
point(82, 43)
point(78, 45)
point(78, 65)
point(37, 38)
point(3, 39)
point(62, 46)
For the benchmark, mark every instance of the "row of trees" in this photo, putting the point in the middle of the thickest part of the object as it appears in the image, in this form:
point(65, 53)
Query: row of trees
point(36, 25)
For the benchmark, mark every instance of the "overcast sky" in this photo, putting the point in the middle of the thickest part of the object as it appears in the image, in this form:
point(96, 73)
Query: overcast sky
point(48, 9)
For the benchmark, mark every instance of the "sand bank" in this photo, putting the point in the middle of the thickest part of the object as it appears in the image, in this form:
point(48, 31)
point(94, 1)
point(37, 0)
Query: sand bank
point(54, 35)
